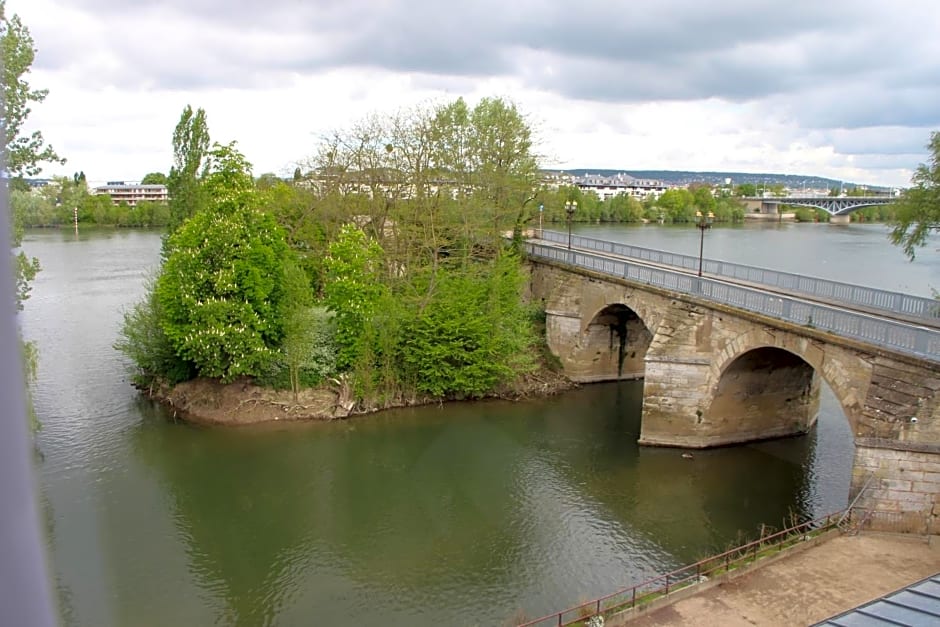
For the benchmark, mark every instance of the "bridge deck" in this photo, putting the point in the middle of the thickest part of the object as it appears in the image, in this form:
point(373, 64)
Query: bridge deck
point(887, 304)
point(918, 341)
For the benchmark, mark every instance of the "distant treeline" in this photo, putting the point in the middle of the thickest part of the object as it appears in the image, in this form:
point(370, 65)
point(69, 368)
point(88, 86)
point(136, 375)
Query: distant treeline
point(678, 205)
point(55, 205)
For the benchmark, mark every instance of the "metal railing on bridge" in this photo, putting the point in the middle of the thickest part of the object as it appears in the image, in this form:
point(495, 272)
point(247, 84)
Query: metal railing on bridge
point(690, 575)
point(914, 308)
point(890, 334)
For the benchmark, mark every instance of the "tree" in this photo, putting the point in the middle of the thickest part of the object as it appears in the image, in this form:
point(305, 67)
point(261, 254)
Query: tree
point(25, 153)
point(190, 145)
point(918, 210)
point(221, 288)
point(353, 288)
point(154, 178)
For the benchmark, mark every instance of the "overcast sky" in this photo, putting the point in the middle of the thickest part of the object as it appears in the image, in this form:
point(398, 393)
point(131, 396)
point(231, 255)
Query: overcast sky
point(848, 89)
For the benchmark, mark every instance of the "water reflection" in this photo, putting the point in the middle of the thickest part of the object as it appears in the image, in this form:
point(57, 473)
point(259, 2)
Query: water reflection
point(420, 514)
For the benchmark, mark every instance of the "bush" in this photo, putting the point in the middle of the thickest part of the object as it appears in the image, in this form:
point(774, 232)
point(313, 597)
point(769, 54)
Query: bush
point(221, 290)
point(473, 333)
point(143, 341)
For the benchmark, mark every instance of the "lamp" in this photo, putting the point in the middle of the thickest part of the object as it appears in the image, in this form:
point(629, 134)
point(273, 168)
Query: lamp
point(570, 207)
point(703, 222)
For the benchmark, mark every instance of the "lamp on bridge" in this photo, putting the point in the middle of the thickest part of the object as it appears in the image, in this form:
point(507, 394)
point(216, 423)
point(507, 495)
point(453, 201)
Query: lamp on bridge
point(570, 207)
point(703, 222)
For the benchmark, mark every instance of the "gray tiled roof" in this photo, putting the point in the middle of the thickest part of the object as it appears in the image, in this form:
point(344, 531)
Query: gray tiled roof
point(916, 605)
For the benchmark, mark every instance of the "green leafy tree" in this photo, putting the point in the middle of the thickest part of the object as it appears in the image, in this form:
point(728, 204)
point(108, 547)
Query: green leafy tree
point(917, 213)
point(678, 205)
point(746, 189)
point(221, 288)
point(184, 184)
point(473, 334)
point(352, 289)
point(154, 178)
point(24, 153)
point(26, 267)
point(308, 347)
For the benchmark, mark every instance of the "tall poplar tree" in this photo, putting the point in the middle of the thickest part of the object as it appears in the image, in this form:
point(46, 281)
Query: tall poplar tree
point(184, 185)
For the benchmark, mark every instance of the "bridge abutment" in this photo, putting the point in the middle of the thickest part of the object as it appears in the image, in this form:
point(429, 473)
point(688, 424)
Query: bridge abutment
point(840, 219)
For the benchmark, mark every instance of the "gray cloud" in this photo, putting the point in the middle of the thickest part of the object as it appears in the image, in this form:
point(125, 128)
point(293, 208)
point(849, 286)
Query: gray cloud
point(736, 50)
point(859, 76)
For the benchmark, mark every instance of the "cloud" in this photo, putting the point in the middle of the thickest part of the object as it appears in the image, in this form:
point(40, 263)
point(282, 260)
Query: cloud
point(761, 79)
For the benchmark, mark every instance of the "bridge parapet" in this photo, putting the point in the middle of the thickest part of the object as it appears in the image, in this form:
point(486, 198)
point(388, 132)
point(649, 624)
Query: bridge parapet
point(917, 309)
point(903, 338)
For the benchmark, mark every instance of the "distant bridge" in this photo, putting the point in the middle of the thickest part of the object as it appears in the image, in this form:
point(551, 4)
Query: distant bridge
point(833, 205)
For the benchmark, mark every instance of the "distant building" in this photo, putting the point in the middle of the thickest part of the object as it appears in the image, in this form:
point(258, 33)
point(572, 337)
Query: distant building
point(38, 183)
point(132, 193)
point(609, 186)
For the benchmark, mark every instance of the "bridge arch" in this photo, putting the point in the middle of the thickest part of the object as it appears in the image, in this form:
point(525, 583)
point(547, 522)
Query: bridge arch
point(619, 338)
point(782, 368)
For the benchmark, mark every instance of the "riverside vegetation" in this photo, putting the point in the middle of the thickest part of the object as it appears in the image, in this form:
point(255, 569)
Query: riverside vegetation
point(383, 275)
point(387, 276)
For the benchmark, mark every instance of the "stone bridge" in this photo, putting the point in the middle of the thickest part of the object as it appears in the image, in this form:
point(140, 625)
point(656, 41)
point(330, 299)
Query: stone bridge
point(717, 375)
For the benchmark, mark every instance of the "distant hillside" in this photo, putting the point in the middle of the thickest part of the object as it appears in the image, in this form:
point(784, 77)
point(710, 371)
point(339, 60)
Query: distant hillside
point(682, 177)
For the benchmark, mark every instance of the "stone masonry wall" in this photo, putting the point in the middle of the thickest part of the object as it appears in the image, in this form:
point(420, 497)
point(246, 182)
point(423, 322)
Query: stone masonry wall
point(901, 482)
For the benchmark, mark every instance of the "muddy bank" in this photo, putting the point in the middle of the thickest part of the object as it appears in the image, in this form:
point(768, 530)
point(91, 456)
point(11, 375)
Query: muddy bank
point(208, 401)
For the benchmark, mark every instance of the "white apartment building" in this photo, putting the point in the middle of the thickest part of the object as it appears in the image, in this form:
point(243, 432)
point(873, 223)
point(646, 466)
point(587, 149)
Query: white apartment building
point(609, 186)
point(132, 193)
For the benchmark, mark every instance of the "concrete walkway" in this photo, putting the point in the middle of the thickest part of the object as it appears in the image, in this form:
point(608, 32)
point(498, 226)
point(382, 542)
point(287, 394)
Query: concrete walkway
point(808, 586)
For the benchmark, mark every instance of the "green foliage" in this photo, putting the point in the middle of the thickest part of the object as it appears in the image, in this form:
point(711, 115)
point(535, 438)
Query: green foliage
point(143, 341)
point(154, 178)
point(25, 268)
point(678, 205)
point(352, 289)
point(24, 153)
point(54, 206)
point(918, 210)
point(473, 334)
point(220, 291)
point(190, 145)
point(222, 286)
point(308, 350)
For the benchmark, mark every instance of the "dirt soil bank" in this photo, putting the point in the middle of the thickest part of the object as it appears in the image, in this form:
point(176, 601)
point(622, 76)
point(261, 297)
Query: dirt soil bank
point(207, 401)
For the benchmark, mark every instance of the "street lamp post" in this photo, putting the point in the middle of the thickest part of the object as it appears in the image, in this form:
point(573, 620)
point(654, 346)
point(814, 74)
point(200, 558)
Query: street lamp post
point(703, 222)
point(570, 207)
point(541, 210)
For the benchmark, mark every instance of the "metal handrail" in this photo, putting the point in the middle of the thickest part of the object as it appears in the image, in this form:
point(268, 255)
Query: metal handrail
point(661, 585)
point(915, 307)
point(897, 336)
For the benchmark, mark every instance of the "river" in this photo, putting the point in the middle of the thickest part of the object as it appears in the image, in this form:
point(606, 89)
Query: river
point(447, 515)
